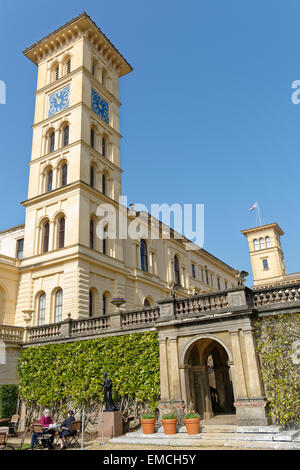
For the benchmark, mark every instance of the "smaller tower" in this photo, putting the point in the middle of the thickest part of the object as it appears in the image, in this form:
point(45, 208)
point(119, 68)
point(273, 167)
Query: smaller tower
point(266, 254)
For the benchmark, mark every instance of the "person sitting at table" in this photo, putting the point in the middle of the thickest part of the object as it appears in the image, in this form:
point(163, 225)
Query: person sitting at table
point(45, 422)
point(66, 428)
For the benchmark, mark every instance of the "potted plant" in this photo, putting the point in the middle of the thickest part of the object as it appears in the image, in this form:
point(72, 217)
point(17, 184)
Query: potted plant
point(192, 422)
point(169, 422)
point(148, 421)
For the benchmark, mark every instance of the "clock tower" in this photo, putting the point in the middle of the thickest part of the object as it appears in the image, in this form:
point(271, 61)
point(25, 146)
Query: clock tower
point(74, 166)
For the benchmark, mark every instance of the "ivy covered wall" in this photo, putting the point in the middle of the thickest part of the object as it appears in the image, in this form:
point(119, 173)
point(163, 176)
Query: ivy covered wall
point(277, 340)
point(70, 374)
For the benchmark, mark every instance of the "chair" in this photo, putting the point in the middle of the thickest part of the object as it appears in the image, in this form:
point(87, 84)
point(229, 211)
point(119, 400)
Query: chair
point(72, 439)
point(41, 436)
point(14, 425)
point(3, 442)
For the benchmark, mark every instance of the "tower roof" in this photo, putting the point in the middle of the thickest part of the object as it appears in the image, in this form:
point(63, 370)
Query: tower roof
point(81, 24)
point(261, 228)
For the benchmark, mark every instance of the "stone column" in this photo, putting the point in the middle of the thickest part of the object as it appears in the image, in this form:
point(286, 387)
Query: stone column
point(239, 376)
point(255, 383)
point(164, 372)
point(223, 387)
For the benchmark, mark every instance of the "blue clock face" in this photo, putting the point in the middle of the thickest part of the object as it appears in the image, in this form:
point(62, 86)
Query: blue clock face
point(59, 101)
point(100, 106)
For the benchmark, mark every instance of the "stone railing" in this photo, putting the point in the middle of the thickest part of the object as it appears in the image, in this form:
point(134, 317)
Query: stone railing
point(202, 304)
point(11, 334)
point(207, 307)
point(140, 318)
point(267, 298)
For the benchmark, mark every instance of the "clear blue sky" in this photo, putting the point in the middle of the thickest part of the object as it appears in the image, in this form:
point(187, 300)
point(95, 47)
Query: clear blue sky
point(207, 115)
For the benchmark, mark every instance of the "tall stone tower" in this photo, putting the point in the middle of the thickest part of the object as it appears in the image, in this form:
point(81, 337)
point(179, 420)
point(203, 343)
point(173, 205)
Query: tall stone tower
point(75, 166)
point(266, 254)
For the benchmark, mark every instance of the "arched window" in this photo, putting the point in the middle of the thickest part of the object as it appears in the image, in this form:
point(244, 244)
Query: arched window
point(66, 136)
point(92, 176)
point(206, 275)
point(57, 72)
point(58, 306)
point(104, 241)
point(91, 233)
point(68, 64)
point(104, 146)
point(91, 303)
point(255, 244)
point(104, 304)
point(51, 142)
point(64, 174)
point(92, 138)
point(103, 183)
point(268, 242)
point(176, 271)
point(42, 309)
point(262, 243)
point(144, 256)
point(46, 230)
point(61, 233)
point(147, 303)
point(49, 180)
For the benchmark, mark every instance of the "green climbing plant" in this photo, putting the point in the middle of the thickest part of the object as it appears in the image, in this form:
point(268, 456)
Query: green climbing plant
point(276, 338)
point(60, 375)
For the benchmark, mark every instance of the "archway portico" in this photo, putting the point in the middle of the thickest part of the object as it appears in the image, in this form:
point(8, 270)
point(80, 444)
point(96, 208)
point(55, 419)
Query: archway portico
point(209, 388)
point(210, 363)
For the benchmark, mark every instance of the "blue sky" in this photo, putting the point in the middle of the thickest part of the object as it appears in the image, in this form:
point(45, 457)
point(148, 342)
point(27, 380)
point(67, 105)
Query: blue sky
point(207, 115)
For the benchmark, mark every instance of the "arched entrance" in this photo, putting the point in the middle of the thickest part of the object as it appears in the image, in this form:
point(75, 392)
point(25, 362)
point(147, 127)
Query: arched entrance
point(209, 378)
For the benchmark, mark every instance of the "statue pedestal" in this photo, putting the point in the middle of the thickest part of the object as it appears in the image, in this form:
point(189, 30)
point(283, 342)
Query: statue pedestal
point(113, 423)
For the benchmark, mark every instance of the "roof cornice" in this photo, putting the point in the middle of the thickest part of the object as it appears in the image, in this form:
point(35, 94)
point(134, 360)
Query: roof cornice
point(80, 26)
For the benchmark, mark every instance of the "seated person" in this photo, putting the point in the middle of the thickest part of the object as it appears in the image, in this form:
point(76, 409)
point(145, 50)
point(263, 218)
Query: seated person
point(66, 428)
point(45, 422)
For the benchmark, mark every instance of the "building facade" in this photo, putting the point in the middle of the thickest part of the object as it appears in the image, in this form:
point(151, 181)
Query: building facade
point(58, 277)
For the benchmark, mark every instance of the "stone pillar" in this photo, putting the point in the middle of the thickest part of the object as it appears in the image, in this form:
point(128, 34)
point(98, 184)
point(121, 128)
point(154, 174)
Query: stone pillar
point(223, 387)
point(164, 372)
point(249, 403)
point(202, 392)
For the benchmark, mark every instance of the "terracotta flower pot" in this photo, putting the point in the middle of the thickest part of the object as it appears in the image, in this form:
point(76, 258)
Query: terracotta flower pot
point(148, 425)
point(192, 425)
point(169, 425)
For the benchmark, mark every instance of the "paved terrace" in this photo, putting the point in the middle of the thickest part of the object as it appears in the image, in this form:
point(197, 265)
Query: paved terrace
point(213, 306)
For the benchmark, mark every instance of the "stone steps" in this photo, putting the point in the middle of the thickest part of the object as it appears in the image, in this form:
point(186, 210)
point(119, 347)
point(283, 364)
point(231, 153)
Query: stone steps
point(218, 436)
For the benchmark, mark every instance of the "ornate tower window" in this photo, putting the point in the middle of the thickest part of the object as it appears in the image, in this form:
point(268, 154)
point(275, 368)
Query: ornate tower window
point(262, 243)
point(58, 306)
point(92, 176)
point(52, 142)
point(49, 180)
point(46, 230)
point(268, 242)
point(64, 174)
point(255, 244)
point(91, 303)
point(92, 138)
point(61, 233)
point(104, 183)
point(69, 66)
point(104, 146)
point(66, 133)
point(57, 72)
point(104, 241)
point(20, 245)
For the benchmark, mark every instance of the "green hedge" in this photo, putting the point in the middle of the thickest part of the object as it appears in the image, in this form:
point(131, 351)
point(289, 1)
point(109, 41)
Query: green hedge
point(8, 400)
point(276, 337)
point(71, 373)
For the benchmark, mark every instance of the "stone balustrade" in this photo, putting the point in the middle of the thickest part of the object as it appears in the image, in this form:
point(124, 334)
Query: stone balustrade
point(202, 304)
point(205, 307)
point(11, 334)
point(267, 298)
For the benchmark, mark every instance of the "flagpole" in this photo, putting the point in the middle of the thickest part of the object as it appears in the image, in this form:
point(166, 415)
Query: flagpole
point(259, 216)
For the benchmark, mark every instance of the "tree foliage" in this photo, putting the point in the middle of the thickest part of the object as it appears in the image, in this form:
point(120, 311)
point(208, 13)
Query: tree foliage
point(8, 400)
point(275, 338)
point(60, 375)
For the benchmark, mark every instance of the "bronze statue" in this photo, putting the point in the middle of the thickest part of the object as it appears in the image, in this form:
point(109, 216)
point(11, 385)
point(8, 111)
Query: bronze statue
point(107, 387)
